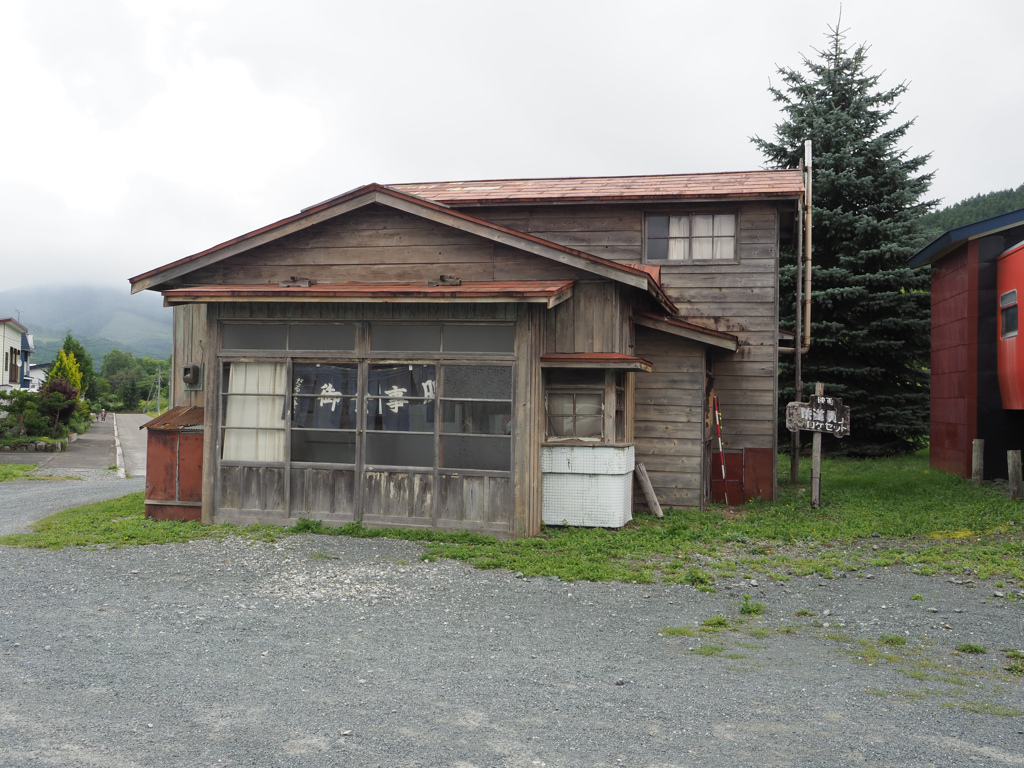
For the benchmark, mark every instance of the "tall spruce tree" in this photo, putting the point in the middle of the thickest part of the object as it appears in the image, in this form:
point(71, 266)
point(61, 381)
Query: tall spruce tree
point(870, 329)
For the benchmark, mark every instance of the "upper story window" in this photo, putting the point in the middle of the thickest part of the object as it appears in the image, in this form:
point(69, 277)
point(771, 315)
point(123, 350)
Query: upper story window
point(692, 237)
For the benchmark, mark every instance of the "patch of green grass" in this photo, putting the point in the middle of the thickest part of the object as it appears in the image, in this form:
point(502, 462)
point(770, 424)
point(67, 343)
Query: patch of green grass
point(985, 708)
point(1015, 667)
point(676, 631)
point(916, 597)
point(1013, 653)
point(122, 522)
point(750, 608)
point(787, 629)
point(971, 648)
point(706, 649)
point(805, 612)
point(15, 471)
point(760, 632)
point(896, 640)
point(715, 623)
point(323, 556)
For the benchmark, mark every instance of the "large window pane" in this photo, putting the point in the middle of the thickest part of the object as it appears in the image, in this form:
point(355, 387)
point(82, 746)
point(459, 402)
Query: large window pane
point(334, 447)
point(323, 396)
point(589, 415)
point(477, 418)
point(253, 336)
point(560, 415)
point(399, 449)
point(322, 337)
point(405, 338)
point(479, 338)
point(482, 382)
point(400, 398)
point(486, 453)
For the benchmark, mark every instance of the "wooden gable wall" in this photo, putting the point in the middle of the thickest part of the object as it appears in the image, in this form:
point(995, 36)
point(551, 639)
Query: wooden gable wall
point(379, 244)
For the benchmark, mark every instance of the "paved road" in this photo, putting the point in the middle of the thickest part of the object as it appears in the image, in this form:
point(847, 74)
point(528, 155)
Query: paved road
point(90, 460)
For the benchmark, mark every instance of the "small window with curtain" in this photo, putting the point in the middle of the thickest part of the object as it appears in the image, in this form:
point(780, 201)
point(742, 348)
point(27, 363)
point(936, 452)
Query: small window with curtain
point(254, 411)
point(691, 237)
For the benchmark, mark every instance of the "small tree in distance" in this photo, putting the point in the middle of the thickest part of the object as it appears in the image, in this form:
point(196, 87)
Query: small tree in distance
point(870, 312)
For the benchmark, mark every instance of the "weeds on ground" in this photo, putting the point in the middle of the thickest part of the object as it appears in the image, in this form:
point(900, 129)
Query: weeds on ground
point(971, 648)
point(16, 471)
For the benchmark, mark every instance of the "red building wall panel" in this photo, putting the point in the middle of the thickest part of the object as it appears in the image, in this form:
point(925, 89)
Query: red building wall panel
point(953, 421)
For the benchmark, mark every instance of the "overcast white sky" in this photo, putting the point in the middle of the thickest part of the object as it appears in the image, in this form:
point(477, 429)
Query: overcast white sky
point(135, 132)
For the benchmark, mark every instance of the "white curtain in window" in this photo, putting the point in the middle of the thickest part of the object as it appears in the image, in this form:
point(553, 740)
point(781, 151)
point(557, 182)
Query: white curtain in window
point(703, 232)
point(678, 238)
point(725, 237)
point(256, 403)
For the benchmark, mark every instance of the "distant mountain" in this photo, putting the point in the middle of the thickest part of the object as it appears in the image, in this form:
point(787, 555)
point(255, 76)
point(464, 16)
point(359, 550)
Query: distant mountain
point(973, 209)
point(102, 319)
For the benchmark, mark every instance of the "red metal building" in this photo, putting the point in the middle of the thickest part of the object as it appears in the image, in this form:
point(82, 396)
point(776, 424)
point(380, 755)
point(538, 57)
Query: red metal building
point(967, 402)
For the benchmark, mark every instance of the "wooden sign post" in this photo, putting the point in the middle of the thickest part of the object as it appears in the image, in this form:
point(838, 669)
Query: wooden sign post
point(819, 415)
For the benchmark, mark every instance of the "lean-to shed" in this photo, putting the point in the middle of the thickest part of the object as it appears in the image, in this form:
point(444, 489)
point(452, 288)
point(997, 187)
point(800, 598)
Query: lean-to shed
point(456, 355)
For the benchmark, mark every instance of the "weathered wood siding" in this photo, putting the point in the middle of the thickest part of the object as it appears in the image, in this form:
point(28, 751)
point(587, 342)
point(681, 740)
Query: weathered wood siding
point(669, 421)
point(595, 319)
point(741, 298)
point(610, 231)
point(378, 244)
point(189, 332)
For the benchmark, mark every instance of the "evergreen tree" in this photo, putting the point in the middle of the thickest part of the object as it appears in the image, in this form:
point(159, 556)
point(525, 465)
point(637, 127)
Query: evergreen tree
point(870, 312)
point(84, 359)
point(66, 368)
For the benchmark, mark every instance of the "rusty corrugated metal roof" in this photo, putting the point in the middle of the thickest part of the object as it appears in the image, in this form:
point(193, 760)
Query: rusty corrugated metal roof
point(693, 186)
point(178, 418)
point(539, 290)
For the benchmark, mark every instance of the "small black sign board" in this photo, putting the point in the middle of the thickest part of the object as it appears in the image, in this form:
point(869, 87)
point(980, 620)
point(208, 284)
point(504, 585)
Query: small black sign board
point(819, 414)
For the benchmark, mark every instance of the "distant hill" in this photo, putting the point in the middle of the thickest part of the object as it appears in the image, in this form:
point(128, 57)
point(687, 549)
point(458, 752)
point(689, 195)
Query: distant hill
point(973, 209)
point(102, 319)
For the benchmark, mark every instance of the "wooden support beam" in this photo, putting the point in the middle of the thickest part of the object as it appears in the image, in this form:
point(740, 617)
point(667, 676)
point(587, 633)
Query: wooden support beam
point(978, 461)
point(1014, 473)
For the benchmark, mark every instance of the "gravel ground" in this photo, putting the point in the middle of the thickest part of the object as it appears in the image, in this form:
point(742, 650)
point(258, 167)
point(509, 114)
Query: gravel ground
point(329, 651)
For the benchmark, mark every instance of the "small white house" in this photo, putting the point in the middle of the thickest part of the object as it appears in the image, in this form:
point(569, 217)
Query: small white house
point(17, 344)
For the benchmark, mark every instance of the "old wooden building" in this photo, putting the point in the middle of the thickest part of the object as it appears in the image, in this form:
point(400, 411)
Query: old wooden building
point(486, 355)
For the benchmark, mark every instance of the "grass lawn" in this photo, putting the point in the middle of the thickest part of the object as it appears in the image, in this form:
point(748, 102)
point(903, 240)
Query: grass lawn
point(878, 512)
point(15, 471)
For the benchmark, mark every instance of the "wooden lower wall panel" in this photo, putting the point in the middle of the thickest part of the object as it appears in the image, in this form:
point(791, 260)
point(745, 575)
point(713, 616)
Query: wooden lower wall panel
point(729, 490)
point(188, 513)
point(758, 474)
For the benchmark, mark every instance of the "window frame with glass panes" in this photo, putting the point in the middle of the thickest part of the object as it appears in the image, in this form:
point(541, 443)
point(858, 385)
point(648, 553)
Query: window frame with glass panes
point(384, 384)
point(692, 237)
point(576, 407)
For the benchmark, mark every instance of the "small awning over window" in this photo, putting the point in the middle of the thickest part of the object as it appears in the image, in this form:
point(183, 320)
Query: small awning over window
point(595, 360)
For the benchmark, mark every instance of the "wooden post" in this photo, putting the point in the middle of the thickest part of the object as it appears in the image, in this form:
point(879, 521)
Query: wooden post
point(819, 390)
point(648, 489)
point(978, 461)
point(1014, 473)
